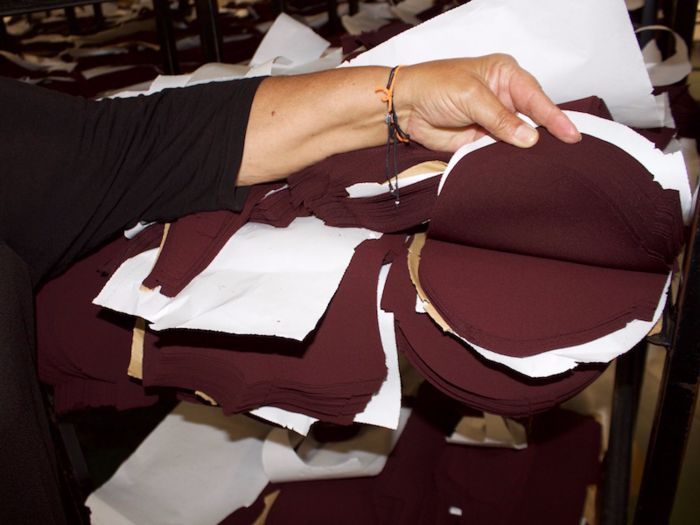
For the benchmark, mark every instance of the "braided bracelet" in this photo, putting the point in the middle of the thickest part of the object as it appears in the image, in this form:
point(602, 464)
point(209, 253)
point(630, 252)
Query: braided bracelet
point(395, 133)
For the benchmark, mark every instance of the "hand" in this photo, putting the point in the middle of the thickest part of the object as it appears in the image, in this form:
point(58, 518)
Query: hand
point(448, 103)
point(296, 121)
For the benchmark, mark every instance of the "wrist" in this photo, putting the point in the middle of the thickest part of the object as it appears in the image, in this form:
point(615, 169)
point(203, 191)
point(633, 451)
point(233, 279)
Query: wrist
point(391, 118)
point(402, 98)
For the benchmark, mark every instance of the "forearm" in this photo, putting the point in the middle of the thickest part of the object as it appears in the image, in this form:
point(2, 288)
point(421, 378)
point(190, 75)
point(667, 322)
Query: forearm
point(298, 121)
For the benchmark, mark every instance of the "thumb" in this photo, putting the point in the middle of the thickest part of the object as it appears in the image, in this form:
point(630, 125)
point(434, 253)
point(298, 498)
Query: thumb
point(490, 113)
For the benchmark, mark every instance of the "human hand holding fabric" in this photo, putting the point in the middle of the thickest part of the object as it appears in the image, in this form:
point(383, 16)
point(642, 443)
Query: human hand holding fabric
point(450, 103)
point(297, 121)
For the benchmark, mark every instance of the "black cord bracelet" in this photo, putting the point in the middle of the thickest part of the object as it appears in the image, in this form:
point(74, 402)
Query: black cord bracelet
point(394, 132)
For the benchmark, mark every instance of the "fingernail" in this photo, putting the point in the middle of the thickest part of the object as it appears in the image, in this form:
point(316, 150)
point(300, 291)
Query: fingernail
point(525, 135)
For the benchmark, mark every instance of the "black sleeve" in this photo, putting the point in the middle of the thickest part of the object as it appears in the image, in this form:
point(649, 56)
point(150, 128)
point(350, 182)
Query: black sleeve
point(73, 172)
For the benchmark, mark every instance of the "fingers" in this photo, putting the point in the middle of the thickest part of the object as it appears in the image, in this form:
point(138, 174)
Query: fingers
point(489, 112)
point(527, 97)
point(477, 96)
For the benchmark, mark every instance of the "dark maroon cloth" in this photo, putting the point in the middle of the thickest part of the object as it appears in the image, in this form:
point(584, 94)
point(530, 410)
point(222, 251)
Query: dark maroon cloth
point(459, 372)
point(84, 349)
point(193, 241)
point(330, 375)
point(544, 483)
point(685, 110)
point(591, 105)
point(321, 189)
point(404, 492)
point(534, 249)
point(425, 476)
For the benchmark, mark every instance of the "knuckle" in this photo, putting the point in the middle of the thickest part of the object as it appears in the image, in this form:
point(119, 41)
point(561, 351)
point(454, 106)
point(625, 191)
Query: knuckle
point(503, 122)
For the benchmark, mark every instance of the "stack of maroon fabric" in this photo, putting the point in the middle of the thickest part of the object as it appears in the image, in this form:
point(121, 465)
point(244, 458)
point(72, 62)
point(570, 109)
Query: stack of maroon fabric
point(331, 375)
point(550, 247)
point(83, 349)
point(459, 372)
point(321, 189)
point(454, 484)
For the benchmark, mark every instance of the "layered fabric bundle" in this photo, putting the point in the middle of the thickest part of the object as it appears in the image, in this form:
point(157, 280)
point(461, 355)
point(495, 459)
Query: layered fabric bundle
point(549, 247)
point(454, 484)
point(331, 375)
point(460, 372)
point(84, 350)
point(192, 242)
point(540, 259)
point(345, 190)
point(525, 253)
point(333, 189)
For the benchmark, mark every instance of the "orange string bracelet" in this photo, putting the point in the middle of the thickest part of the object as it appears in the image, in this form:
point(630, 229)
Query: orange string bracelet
point(388, 98)
point(395, 133)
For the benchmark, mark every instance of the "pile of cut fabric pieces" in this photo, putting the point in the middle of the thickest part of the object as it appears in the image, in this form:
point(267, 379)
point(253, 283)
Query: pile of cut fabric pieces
point(507, 278)
point(496, 301)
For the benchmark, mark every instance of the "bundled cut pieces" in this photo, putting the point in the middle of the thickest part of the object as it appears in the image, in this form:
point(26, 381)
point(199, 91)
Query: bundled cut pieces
point(461, 373)
point(544, 483)
point(549, 247)
point(331, 375)
point(526, 252)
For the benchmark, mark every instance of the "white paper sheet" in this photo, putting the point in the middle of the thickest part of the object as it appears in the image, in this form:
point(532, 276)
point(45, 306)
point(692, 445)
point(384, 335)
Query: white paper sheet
point(384, 407)
point(197, 466)
point(675, 68)
point(575, 49)
point(291, 39)
point(363, 455)
point(362, 21)
point(264, 281)
point(299, 423)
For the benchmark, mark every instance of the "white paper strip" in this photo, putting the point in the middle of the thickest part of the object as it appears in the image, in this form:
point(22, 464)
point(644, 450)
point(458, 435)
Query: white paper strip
point(264, 281)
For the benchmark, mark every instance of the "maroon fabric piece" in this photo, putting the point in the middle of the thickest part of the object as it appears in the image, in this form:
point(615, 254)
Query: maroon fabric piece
point(404, 492)
point(553, 246)
point(277, 209)
point(425, 476)
point(193, 242)
point(248, 515)
point(685, 110)
point(407, 492)
point(544, 483)
point(330, 375)
point(661, 137)
point(591, 105)
point(321, 189)
point(84, 349)
point(521, 306)
point(324, 501)
point(459, 372)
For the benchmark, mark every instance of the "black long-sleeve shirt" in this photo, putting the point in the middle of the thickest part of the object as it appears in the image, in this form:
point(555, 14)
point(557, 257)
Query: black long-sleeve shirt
point(74, 171)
